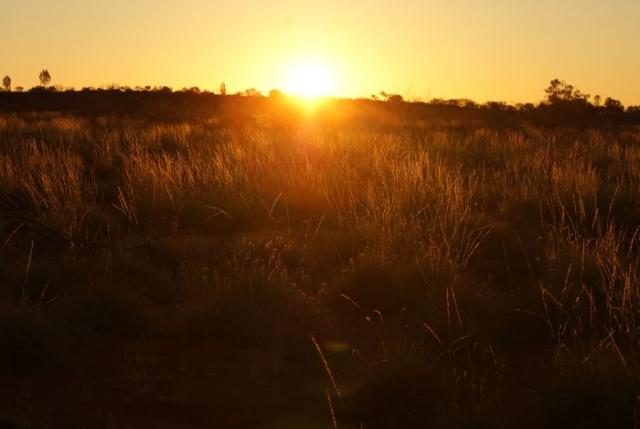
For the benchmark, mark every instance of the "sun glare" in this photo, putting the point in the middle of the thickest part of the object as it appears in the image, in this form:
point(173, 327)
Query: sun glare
point(310, 80)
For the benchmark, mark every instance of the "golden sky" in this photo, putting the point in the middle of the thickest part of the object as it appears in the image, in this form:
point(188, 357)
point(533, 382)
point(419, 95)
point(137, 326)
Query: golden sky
point(481, 49)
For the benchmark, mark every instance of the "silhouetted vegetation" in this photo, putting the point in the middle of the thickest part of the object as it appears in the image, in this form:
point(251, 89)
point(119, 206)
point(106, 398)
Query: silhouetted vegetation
point(564, 106)
point(45, 78)
point(391, 98)
point(175, 258)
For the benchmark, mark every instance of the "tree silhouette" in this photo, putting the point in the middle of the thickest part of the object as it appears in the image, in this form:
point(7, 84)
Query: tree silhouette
point(252, 92)
point(223, 88)
point(6, 82)
point(613, 105)
point(45, 77)
point(392, 98)
point(559, 91)
point(597, 100)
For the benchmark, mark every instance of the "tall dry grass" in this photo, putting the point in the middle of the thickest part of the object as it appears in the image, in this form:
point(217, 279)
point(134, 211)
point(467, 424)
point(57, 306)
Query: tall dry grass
point(495, 253)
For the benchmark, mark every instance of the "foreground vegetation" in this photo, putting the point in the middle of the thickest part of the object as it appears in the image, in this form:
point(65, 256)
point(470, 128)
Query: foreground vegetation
point(317, 273)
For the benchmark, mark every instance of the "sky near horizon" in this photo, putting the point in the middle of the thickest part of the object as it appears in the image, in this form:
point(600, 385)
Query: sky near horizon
point(504, 50)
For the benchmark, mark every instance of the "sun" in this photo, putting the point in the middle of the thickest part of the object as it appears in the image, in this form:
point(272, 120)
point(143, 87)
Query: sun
point(310, 80)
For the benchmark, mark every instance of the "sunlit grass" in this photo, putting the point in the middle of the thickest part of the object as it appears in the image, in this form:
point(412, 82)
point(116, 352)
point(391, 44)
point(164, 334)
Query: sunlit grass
point(471, 248)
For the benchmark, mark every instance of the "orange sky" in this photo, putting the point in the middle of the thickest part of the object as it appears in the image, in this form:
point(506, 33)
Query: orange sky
point(480, 49)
